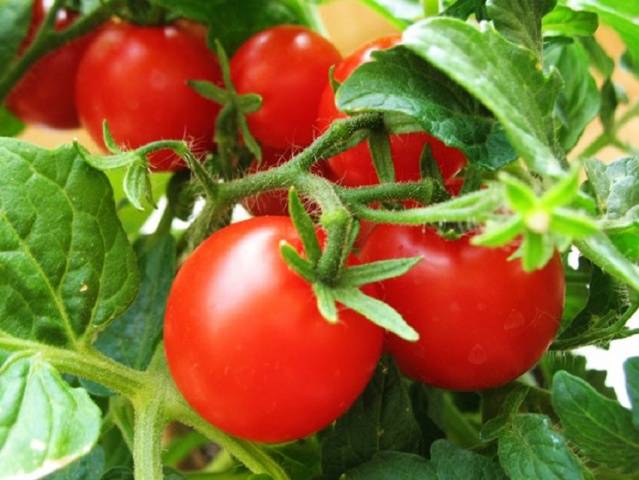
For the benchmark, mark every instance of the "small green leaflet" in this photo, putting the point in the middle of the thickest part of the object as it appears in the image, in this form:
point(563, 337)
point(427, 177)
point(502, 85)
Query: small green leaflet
point(15, 16)
point(504, 77)
point(631, 369)
point(46, 424)
point(564, 22)
point(63, 247)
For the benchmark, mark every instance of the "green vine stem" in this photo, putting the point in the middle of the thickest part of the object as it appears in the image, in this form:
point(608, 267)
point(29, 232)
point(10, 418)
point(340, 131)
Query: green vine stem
point(147, 441)
point(610, 137)
point(48, 39)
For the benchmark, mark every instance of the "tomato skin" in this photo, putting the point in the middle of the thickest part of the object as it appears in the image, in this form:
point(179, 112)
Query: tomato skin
point(355, 166)
point(247, 346)
point(136, 78)
point(45, 95)
point(482, 320)
point(288, 66)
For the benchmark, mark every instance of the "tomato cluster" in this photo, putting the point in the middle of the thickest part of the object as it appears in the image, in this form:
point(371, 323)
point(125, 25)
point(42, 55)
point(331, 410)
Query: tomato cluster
point(245, 341)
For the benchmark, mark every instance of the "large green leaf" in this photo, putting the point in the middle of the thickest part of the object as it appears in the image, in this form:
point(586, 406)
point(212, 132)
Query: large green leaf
point(398, 81)
point(530, 448)
point(506, 78)
point(579, 99)
point(620, 15)
point(381, 420)
point(564, 22)
point(452, 463)
point(65, 262)
point(44, 424)
point(132, 337)
point(233, 21)
point(15, 17)
point(520, 20)
point(600, 427)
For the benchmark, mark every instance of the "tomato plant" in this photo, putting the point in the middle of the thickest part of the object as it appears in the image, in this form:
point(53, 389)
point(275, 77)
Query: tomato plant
point(470, 338)
point(354, 167)
point(446, 242)
point(152, 66)
point(287, 66)
point(46, 94)
point(276, 376)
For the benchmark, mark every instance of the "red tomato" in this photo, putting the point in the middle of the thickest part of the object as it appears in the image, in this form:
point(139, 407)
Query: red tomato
point(247, 346)
point(288, 66)
point(482, 320)
point(355, 166)
point(45, 94)
point(135, 78)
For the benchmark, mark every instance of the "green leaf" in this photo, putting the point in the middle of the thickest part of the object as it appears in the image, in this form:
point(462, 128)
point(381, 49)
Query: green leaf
point(599, 59)
point(295, 262)
point(10, 125)
point(46, 424)
point(520, 20)
point(232, 22)
point(379, 146)
point(400, 13)
point(463, 9)
point(504, 77)
point(553, 362)
point(376, 311)
point(304, 226)
point(15, 18)
point(66, 262)
point(572, 224)
point(615, 186)
point(577, 291)
point(132, 337)
point(631, 369)
point(210, 91)
point(395, 465)
point(609, 104)
point(600, 427)
point(530, 448)
point(452, 463)
point(131, 218)
point(564, 22)
point(619, 15)
point(87, 467)
point(359, 275)
point(380, 420)
point(602, 252)
point(300, 459)
point(137, 185)
point(579, 99)
point(536, 251)
point(603, 319)
point(325, 302)
point(520, 196)
point(440, 106)
point(502, 233)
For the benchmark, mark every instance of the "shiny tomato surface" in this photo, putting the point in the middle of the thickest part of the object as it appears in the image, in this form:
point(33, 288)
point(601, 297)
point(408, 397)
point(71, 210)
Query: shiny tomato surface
point(288, 67)
point(355, 166)
point(482, 320)
point(45, 95)
point(247, 346)
point(136, 78)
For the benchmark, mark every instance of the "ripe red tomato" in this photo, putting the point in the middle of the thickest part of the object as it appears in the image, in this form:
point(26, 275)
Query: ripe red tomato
point(135, 78)
point(355, 166)
point(288, 66)
point(482, 320)
point(45, 95)
point(247, 346)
